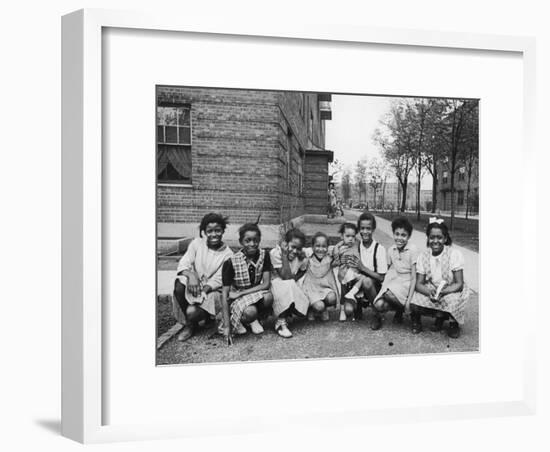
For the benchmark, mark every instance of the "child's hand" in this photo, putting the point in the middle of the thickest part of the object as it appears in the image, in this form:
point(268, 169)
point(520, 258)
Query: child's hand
point(234, 294)
point(226, 332)
point(193, 284)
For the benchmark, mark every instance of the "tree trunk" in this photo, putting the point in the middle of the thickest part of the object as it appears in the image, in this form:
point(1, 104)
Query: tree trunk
point(384, 193)
point(434, 189)
point(452, 197)
point(418, 193)
point(404, 194)
point(468, 192)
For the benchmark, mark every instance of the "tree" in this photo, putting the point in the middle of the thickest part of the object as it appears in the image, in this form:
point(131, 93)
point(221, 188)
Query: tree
point(346, 185)
point(395, 137)
point(471, 153)
point(459, 114)
point(361, 177)
point(376, 177)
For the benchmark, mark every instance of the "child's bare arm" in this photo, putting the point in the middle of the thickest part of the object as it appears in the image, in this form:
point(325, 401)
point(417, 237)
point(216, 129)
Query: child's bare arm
point(457, 284)
point(264, 285)
point(422, 286)
point(411, 286)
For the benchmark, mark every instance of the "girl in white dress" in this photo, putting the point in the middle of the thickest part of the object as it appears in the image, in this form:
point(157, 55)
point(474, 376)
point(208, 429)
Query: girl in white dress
point(289, 265)
point(197, 288)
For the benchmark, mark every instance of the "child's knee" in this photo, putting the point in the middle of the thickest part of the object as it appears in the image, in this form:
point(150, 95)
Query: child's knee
point(318, 306)
point(367, 283)
point(268, 300)
point(249, 314)
point(349, 308)
point(330, 299)
point(193, 313)
point(380, 305)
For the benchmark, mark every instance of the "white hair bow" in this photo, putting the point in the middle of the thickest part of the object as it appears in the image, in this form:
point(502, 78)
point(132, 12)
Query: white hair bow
point(436, 220)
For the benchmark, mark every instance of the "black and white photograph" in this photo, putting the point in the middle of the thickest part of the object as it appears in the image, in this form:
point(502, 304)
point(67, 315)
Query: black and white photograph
point(307, 225)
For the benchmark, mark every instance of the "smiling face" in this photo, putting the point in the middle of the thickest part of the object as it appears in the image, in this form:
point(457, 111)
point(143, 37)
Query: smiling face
point(250, 243)
point(401, 237)
point(294, 248)
point(320, 247)
point(366, 230)
point(214, 234)
point(348, 237)
point(436, 241)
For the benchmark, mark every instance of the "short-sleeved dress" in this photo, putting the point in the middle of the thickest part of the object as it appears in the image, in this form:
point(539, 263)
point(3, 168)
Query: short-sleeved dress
point(287, 292)
point(436, 269)
point(398, 278)
point(319, 280)
point(207, 263)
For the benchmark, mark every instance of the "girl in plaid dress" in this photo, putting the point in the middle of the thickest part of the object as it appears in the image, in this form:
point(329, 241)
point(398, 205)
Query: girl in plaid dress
point(246, 278)
point(319, 283)
point(440, 287)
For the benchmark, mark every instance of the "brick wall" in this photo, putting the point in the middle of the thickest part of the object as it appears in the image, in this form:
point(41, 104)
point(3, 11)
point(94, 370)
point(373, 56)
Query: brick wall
point(316, 183)
point(248, 155)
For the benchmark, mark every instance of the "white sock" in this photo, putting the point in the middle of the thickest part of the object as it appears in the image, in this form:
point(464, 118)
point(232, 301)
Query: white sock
point(351, 293)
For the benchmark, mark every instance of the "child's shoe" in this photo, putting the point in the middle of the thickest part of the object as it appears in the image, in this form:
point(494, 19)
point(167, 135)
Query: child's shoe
point(186, 333)
point(376, 322)
point(343, 316)
point(398, 317)
point(351, 293)
point(282, 329)
point(325, 316)
point(416, 323)
point(256, 328)
point(454, 330)
point(438, 324)
point(240, 330)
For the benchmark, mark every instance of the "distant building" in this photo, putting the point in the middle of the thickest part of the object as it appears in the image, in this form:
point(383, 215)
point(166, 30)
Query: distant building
point(460, 192)
point(389, 196)
point(241, 153)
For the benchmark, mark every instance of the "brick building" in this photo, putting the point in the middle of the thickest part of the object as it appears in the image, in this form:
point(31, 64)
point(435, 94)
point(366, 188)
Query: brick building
point(460, 192)
point(241, 153)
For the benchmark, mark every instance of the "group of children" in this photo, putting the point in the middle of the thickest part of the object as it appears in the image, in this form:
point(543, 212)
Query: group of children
point(250, 284)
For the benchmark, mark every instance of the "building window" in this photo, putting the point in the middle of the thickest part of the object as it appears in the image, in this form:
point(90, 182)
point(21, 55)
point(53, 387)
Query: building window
point(445, 177)
point(462, 173)
point(174, 144)
point(460, 198)
point(310, 126)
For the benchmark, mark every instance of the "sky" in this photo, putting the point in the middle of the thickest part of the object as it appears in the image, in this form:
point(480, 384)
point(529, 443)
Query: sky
point(354, 120)
point(349, 133)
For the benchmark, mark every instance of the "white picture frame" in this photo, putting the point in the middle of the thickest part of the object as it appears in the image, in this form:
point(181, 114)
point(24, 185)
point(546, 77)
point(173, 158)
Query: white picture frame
point(83, 197)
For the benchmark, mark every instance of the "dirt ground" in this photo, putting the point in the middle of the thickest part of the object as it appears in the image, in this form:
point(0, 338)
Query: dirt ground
point(323, 340)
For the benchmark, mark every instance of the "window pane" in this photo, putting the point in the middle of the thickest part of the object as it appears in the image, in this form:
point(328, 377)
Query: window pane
point(160, 134)
point(185, 135)
point(174, 163)
point(184, 117)
point(167, 115)
point(171, 135)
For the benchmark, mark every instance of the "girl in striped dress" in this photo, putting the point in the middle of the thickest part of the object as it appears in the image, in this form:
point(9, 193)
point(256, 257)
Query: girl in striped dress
point(246, 278)
point(440, 288)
